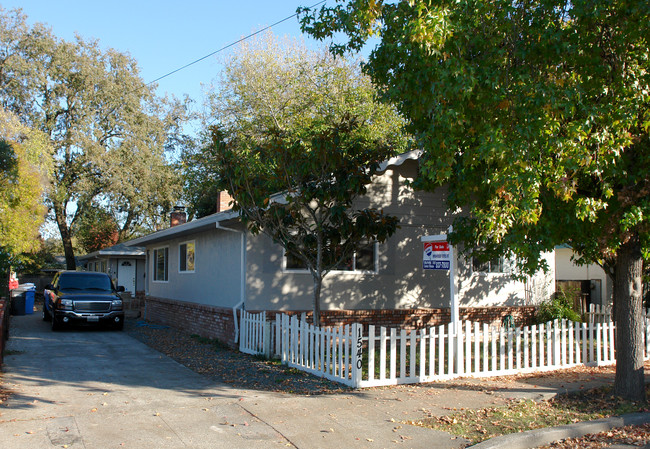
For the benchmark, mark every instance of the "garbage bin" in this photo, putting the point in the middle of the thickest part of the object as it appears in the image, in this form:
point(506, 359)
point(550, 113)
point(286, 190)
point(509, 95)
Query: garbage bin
point(18, 301)
point(22, 299)
point(30, 293)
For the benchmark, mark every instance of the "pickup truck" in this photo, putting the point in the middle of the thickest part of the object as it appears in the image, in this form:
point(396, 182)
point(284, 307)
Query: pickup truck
point(79, 297)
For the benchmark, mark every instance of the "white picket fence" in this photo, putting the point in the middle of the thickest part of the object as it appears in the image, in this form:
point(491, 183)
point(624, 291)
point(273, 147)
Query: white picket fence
point(254, 334)
point(386, 356)
point(599, 314)
point(604, 314)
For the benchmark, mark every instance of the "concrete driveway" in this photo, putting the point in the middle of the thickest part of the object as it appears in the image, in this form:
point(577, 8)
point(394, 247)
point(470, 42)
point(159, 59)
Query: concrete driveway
point(89, 388)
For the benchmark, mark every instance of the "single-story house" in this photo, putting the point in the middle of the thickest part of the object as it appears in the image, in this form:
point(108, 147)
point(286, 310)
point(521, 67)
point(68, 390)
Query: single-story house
point(124, 264)
point(200, 272)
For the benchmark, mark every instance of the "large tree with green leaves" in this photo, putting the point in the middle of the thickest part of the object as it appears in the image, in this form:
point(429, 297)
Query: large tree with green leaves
point(25, 164)
point(536, 115)
point(107, 128)
point(24, 171)
point(300, 137)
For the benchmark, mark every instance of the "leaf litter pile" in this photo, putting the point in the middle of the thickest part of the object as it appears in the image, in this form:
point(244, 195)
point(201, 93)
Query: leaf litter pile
point(629, 435)
point(239, 370)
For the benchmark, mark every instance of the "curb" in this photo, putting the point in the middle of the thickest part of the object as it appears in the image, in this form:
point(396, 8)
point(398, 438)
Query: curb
point(547, 435)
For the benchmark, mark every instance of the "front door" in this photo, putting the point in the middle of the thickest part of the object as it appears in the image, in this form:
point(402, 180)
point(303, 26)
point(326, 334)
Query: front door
point(126, 274)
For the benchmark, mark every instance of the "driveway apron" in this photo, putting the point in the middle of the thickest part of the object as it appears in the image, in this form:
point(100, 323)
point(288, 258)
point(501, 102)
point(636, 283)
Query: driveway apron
point(92, 388)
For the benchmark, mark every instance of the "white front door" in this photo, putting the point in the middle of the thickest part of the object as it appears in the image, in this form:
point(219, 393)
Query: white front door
point(126, 274)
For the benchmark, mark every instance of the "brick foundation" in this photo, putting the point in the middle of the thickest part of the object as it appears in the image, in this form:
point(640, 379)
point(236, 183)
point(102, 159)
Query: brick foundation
point(217, 322)
point(419, 318)
point(4, 326)
point(199, 319)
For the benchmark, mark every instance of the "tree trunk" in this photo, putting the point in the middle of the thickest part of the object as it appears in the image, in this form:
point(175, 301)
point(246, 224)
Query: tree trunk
point(66, 237)
point(629, 382)
point(318, 283)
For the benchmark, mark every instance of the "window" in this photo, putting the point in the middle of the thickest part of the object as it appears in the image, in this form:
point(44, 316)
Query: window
point(496, 265)
point(186, 257)
point(363, 260)
point(160, 269)
point(102, 266)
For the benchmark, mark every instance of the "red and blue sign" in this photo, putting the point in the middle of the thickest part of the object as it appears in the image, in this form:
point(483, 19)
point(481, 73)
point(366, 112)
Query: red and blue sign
point(437, 256)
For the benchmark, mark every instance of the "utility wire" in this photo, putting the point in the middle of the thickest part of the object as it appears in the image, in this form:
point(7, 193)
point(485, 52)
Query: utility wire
point(230, 45)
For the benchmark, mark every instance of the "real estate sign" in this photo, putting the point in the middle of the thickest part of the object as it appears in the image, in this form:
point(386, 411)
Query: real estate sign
point(437, 256)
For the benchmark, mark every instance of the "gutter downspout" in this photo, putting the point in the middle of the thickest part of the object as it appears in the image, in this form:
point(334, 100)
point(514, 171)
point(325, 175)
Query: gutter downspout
point(242, 288)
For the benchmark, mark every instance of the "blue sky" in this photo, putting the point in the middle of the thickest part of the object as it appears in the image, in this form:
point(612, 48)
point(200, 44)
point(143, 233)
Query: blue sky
point(165, 35)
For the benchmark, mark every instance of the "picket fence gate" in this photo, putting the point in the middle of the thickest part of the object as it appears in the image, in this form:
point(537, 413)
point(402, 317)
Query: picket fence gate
point(389, 356)
point(254, 334)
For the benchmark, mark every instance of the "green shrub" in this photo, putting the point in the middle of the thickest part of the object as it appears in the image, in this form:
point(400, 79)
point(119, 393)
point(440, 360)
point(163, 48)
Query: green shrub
point(557, 308)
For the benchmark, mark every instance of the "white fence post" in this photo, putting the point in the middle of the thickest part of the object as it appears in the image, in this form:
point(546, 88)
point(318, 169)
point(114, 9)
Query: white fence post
point(357, 360)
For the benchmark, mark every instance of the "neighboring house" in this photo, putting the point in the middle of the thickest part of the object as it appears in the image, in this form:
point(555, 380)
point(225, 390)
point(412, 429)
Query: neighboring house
point(124, 264)
point(199, 272)
point(590, 280)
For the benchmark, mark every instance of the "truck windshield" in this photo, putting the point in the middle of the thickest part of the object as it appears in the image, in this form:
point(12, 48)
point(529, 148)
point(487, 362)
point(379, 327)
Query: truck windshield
point(72, 281)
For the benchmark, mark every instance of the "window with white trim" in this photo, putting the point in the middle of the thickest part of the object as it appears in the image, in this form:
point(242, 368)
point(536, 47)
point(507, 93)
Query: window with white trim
point(186, 257)
point(496, 265)
point(364, 260)
point(160, 264)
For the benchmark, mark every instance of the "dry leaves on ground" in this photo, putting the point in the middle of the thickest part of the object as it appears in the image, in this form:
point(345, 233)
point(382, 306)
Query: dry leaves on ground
point(234, 368)
point(631, 435)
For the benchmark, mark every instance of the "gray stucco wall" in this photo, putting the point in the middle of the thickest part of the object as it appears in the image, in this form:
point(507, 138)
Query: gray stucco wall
point(399, 282)
point(216, 278)
point(140, 275)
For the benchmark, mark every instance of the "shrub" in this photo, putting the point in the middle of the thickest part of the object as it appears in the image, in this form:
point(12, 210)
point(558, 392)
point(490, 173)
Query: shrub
point(557, 308)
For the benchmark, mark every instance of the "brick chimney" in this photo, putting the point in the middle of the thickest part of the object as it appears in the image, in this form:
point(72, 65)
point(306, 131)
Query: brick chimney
point(223, 201)
point(178, 216)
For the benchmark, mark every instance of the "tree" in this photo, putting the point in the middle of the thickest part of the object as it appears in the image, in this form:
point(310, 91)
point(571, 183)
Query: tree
point(107, 129)
point(535, 114)
point(23, 176)
point(24, 167)
point(96, 229)
point(304, 126)
point(200, 176)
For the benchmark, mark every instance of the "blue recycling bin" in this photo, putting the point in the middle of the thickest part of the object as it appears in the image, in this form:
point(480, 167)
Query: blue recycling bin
point(29, 300)
point(23, 299)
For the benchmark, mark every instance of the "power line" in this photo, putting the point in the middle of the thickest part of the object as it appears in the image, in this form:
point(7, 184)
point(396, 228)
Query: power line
point(230, 45)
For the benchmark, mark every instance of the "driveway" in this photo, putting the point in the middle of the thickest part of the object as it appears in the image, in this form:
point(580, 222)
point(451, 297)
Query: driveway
point(89, 388)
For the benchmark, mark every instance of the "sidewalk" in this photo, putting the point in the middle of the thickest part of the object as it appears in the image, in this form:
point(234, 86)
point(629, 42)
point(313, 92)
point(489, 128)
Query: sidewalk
point(102, 389)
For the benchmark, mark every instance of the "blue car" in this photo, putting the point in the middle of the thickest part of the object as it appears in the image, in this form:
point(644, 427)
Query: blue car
point(85, 298)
